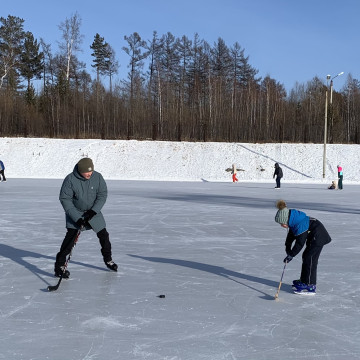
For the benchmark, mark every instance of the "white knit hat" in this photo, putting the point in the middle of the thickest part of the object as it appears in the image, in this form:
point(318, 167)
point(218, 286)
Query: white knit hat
point(282, 215)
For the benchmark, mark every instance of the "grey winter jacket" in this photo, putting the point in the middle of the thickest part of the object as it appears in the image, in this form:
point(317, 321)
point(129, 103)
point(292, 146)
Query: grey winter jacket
point(78, 195)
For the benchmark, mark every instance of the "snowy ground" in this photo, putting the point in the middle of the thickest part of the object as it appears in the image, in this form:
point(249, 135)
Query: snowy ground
point(212, 248)
point(168, 161)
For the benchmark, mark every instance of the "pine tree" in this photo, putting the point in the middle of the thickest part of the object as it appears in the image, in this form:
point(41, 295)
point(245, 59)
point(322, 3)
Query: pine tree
point(31, 62)
point(11, 43)
point(99, 47)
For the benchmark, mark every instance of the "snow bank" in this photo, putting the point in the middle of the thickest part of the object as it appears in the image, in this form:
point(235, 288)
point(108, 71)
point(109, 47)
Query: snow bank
point(177, 161)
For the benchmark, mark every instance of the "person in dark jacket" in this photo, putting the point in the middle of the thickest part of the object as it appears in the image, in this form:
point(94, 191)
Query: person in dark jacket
point(2, 171)
point(303, 230)
point(83, 195)
point(279, 174)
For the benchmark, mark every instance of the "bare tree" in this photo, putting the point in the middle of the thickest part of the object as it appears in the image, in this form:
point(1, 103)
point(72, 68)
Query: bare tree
point(112, 65)
point(135, 50)
point(71, 40)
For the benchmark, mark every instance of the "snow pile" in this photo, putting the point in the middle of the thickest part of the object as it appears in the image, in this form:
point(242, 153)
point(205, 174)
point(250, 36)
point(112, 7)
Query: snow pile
point(178, 161)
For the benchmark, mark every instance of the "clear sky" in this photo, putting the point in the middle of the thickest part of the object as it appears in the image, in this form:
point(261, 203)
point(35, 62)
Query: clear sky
point(291, 41)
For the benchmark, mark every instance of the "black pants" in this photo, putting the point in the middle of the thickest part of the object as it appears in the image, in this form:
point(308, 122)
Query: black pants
point(2, 173)
point(317, 237)
point(340, 182)
point(278, 181)
point(68, 243)
point(310, 259)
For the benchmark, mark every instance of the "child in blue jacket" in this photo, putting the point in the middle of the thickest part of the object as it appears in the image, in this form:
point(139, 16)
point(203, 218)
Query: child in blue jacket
point(2, 171)
point(303, 230)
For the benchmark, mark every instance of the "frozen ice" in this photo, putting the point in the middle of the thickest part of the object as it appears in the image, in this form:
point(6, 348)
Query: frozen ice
point(212, 248)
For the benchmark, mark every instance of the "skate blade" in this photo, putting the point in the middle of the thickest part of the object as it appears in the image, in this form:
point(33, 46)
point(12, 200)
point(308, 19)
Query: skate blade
point(306, 293)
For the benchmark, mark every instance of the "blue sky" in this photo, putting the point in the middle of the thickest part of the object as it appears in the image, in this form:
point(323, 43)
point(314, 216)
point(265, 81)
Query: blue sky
point(292, 41)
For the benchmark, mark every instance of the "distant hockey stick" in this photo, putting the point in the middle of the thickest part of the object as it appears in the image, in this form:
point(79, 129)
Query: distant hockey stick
point(55, 287)
point(278, 290)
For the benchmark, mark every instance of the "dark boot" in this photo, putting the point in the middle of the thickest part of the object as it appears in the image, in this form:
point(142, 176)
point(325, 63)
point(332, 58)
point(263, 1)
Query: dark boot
point(62, 271)
point(103, 236)
point(111, 265)
point(65, 249)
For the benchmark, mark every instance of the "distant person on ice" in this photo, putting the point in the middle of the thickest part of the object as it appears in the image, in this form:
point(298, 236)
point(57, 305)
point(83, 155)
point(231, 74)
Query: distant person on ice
point(279, 174)
point(332, 186)
point(2, 171)
point(303, 230)
point(82, 195)
point(234, 172)
point(340, 177)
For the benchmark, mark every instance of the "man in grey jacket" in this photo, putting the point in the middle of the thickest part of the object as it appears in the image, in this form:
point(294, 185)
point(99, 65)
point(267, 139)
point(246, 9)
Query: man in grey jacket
point(82, 195)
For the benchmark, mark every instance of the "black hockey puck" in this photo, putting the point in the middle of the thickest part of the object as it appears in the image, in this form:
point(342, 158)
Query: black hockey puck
point(161, 296)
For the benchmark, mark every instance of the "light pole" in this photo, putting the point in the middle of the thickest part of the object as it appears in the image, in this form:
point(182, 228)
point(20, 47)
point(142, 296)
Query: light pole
point(325, 126)
point(331, 86)
point(331, 98)
point(328, 77)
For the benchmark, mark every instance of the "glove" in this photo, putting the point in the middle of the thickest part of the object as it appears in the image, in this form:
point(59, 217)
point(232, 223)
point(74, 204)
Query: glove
point(88, 215)
point(288, 259)
point(81, 222)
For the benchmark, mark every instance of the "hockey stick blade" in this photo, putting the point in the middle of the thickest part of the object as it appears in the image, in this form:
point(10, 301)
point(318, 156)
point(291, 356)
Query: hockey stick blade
point(53, 288)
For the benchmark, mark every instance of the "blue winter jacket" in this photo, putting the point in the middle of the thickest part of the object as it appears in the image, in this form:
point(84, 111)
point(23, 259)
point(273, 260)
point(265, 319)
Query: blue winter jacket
point(298, 231)
point(298, 222)
point(304, 230)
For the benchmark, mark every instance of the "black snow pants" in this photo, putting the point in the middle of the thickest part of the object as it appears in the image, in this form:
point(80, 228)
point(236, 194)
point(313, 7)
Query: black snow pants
point(278, 181)
point(68, 243)
point(316, 239)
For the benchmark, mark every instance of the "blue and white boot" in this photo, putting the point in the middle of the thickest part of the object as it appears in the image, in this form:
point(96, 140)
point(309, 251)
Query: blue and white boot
point(304, 289)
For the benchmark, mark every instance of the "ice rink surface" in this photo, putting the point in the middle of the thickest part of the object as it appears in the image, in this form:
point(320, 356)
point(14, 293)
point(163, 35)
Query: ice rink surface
point(213, 250)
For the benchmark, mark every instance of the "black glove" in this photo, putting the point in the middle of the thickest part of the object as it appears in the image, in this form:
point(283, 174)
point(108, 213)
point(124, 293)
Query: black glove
point(88, 215)
point(288, 259)
point(81, 222)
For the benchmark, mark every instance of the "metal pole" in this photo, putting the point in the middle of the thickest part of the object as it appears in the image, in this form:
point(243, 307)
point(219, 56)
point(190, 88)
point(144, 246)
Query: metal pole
point(331, 91)
point(325, 132)
point(330, 106)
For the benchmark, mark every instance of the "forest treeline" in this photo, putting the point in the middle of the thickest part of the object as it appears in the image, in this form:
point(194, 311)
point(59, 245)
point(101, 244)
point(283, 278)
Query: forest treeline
point(177, 89)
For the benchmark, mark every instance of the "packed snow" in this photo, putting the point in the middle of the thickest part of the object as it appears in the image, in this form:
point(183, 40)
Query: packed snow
point(209, 246)
point(179, 161)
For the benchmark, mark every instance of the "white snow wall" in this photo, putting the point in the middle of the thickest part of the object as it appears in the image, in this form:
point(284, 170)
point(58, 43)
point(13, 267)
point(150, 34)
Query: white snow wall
point(177, 161)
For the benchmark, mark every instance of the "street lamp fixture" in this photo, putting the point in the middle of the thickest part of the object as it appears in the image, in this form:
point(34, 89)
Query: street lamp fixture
point(328, 77)
point(331, 85)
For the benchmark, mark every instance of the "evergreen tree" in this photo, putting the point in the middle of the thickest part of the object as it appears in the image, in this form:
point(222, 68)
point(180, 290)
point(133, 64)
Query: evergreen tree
point(99, 47)
point(242, 71)
point(11, 44)
point(31, 61)
point(111, 64)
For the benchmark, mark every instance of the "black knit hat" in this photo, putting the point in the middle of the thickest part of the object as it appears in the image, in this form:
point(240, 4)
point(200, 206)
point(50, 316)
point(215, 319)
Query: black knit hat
point(85, 165)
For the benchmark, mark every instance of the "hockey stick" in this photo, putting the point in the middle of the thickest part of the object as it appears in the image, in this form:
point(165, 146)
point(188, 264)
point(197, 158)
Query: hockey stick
point(55, 287)
point(278, 290)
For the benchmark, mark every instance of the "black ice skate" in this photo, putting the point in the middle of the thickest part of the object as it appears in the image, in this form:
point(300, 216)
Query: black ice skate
point(60, 272)
point(111, 265)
